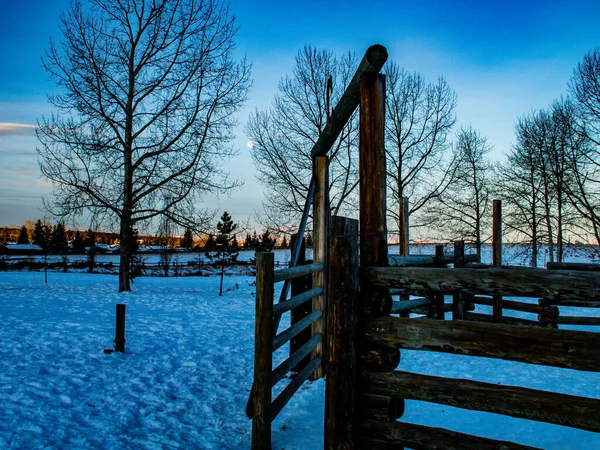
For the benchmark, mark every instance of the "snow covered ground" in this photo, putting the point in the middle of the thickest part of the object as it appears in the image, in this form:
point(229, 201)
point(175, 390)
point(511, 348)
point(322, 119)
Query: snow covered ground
point(185, 377)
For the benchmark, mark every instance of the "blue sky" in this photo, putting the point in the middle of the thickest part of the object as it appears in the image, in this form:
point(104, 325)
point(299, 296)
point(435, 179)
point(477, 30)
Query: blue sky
point(503, 58)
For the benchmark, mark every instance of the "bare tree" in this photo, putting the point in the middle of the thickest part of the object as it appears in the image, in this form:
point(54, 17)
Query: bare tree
point(284, 135)
point(419, 116)
point(148, 93)
point(519, 186)
point(463, 209)
point(584, 87)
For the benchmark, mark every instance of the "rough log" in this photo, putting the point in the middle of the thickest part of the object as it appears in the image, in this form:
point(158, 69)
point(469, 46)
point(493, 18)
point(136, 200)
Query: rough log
point(374, 59)
point(378, 358)
point(408, 305)
point(294, 302)
point(546, 346)
point(550, 311)
point(525, 403)
point(589, 267)
point(291, 389)
point(342, 320)
point(422, 437)
point(376, 303)
point(575, 320)
point(563, 285)
point(300, 311)
point(263, 352)
point(476, 317)
point(380, 407)
point(577, 303)
point(426, 260)
point(295, 272)
point(291, 332)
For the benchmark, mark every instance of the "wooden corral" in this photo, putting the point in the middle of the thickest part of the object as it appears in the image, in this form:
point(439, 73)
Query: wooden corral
point(359, 290)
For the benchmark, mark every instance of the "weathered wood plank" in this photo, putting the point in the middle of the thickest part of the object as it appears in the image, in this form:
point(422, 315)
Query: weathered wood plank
point(408, 305)
point(295, 272)
point(564, 285)
point(298, 286)
point(403, 227)
point(321, 231)
point(342, 322)
point(589, 267)
point(289, 333)
point(525, 403)
point(546, 346)
point(380, 407)
point(507, 320)
point(286, 366)
point(374, 59)
point(428, 438)
point(550, 311)
point(284, 397)
point(575, 320)
point(426, 260)
point(297, 300)
point(263, 352)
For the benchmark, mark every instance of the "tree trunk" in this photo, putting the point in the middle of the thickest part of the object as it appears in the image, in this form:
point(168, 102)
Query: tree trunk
point(222, 275)
point(126, 236)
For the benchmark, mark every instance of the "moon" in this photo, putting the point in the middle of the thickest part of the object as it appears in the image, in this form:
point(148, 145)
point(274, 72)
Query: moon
point(250, 144)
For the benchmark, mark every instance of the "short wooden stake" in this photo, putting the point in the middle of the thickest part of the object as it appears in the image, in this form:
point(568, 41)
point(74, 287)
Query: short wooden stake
point(120, 333)
point(458, 301)
point(497, 255)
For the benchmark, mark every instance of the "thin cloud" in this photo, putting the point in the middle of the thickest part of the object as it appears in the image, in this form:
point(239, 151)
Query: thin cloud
point(16, 129)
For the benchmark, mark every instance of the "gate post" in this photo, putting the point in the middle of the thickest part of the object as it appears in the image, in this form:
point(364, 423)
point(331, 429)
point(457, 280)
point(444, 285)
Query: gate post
point(497, 254)
point(321, 220)
point(342, 304)
point(263, 351)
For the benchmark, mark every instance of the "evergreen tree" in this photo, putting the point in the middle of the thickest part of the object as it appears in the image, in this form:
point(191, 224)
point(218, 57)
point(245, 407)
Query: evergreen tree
point(78, 244)
point(247, 241)
point(227, 246)
point(255, 241)
point(210, 243)
point(23, 237)
point(266, 243)
point(58, 239)
point(40, 235)
point(90, 238)
point(188, 239)
point(284, 242)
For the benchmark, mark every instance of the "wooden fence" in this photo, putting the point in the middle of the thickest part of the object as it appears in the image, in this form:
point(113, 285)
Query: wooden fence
point(378, 389)
point(263, 409)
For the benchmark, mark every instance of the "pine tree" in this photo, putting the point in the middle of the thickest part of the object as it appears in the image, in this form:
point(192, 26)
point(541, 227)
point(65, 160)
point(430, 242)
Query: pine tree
point(40, 235)
point(78, 244)
point(266, 243)
point(227, 246)
point(188, 239)
point(247, 241)
point(58, 239)
point(23, 237)
point(284, 242)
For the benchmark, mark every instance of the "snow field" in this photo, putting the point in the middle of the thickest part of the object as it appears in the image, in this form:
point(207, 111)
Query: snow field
point(185, 377)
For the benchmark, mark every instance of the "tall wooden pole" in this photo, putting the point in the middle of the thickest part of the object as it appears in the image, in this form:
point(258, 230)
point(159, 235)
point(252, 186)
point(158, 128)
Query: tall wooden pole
point(372, 167)
point(321, 224)
point(342, 302)
point(458, 299)
point(120, 332)
point(263, 352)
point(497, 255)
point(403, 228)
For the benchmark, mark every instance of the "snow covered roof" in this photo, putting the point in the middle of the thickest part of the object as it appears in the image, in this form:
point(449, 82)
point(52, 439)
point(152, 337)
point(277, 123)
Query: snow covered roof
point(28, 247)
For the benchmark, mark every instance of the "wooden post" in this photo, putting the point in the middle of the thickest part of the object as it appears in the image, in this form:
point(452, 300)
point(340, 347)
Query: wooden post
point(439, 297)
point(321, 221)
point(497, 255)
point(263, 352)
point(403, 227)
point(458, 303)
point(120, 333)
point(342, 306)
point(372, 167)
point(300, 285)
